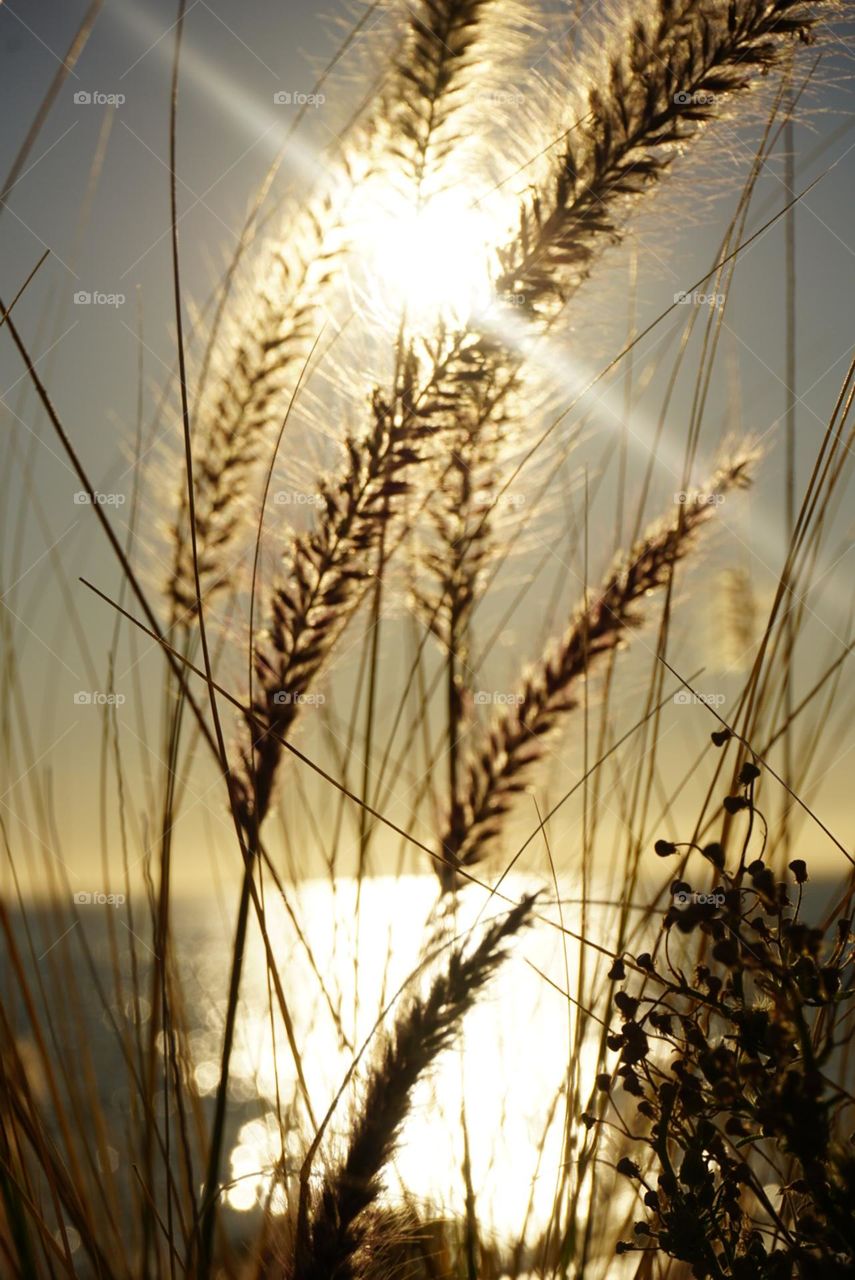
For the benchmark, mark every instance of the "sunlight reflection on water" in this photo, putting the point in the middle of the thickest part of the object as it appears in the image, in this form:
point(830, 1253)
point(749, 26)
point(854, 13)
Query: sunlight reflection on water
point(507, 1067)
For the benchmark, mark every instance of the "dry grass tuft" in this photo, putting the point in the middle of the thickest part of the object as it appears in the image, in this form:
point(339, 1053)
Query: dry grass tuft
point(323, 580)
point(419, 1036)
point(674, 73)
point(246, 394)
point(439, 56)
point(515, 741)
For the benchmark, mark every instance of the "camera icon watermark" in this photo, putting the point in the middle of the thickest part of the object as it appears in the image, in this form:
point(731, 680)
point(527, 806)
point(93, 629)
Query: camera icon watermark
point(283, 697)
point(684, 898)
point(285, 98)
point(484, 698)
point(86, 298)
point(289, 498)
point(696, 298)
point(698, 499)
point(94, 698)
point(84, 499)
point(83, 98)
point(684, 698)
point(700, 98)
point(97, 899)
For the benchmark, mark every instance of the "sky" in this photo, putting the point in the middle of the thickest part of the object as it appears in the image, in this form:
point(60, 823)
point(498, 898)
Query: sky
point(102, 304)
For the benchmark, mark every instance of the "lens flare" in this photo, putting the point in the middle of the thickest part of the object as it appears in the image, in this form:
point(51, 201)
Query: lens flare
point(429, 263)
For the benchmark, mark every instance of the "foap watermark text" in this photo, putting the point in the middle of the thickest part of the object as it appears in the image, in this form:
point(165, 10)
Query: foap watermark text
point(95, 98)
point(285, 98)
point(698, 499)
point(94, 698)
point(288, 498)
point(686, 898)
point(698, 299)
point(684, 698)
point(88, 298)
point(700, 98)
point(284, 698)
point(84, 499)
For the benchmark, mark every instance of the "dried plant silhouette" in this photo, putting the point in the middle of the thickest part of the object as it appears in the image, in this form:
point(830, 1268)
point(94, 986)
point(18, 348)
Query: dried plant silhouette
point(383, 348)
point(753, 1033)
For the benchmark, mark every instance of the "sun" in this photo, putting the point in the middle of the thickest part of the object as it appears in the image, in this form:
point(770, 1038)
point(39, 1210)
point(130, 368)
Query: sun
point(429, 263)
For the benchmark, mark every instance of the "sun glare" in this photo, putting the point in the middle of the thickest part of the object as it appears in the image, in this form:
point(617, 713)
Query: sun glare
point(508, 1081)
point(430, 263)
